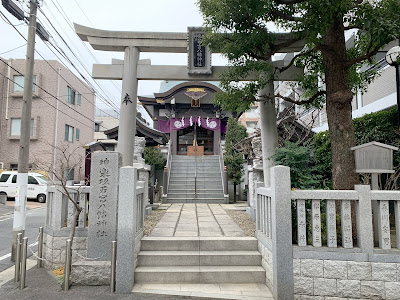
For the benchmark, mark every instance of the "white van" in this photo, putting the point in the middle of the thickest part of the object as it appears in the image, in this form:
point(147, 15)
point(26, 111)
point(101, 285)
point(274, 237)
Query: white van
point(37, 185)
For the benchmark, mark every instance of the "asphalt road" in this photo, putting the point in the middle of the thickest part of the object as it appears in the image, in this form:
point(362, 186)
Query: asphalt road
point(35, 217)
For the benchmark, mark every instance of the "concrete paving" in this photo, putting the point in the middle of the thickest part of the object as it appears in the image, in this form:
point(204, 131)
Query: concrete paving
point(196, 219)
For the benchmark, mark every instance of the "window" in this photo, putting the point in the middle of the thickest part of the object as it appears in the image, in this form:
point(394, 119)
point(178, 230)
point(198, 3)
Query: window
point(78, 99)
point(32, 180)
point(14, 179)
point(77, 133)
point(4, 177)
point(97, 126)
point(69, 174)
point(19, 83)
point(16, 127)
point(70, 95)
point(69, 133)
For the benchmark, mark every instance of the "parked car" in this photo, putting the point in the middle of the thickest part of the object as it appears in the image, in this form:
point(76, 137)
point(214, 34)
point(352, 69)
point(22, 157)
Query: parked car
point(37, 185)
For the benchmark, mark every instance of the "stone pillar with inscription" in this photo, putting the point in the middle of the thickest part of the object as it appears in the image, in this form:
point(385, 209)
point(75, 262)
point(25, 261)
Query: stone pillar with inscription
point(102, 227)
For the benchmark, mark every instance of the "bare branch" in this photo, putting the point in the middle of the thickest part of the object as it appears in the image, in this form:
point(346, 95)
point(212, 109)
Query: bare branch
point(293, 60)
point(288, 99)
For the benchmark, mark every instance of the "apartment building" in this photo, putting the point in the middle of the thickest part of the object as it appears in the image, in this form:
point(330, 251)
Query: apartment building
point(63, 109)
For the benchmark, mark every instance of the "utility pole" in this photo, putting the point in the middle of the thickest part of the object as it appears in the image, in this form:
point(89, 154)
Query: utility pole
point(23, 157)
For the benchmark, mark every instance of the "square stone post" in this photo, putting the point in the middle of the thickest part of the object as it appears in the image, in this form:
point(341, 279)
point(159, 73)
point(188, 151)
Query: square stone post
point(365, 237)
point(127, 214)
point(282, 250)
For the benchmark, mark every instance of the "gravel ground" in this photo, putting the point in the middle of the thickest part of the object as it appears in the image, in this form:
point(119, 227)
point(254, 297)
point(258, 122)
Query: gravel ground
point(152, 219)
point(243, 220)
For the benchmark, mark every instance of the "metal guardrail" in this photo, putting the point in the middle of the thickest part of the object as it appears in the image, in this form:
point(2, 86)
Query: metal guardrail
point(224, 175)
point(167, 169)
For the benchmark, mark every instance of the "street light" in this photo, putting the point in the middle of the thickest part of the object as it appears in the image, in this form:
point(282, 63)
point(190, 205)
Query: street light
point(393, 59)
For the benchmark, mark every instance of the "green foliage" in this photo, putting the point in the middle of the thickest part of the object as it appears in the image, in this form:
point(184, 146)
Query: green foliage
point(152, 156)
point(379, 126)
point(233, 160)
point(239, 30)
point(300, 161)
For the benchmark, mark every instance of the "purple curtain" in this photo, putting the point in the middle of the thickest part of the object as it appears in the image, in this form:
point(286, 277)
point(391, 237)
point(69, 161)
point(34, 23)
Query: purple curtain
point(181, 123)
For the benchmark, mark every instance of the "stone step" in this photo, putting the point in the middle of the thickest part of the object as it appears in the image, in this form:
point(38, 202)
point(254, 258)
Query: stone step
point(191, 176)
point(198, 243)
point(173, 194)
point(198, 173)
point(190, 189)
point(197, 200)
point(196, 258)
point(200, 274)
point(190, 181)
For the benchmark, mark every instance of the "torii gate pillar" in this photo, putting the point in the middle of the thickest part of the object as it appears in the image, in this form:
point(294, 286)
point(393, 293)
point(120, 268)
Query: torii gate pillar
point(269, 132)
point(127, 125)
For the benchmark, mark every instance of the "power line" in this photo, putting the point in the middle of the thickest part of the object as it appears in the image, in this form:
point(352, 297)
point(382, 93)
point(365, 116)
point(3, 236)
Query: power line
point(44, 91)
point(60, 61)
point(48, 102)
point(13, 49)
point(73, 53)
point(68, 21)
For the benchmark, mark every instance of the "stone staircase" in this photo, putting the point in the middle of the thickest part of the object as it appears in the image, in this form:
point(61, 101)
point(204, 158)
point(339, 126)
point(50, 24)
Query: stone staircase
point(199, 260)
point(181, 187)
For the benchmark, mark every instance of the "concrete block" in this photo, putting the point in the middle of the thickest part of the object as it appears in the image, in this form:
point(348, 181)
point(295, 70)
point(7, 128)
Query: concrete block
point(349, 288)
point(325, 287)
point(303, 285)
point(392, 290)
point(312, 268)
point(335, 269)
point(359, 270)
point(384, 271)
point(373, 289)
point(91, 273)
point(296, 267)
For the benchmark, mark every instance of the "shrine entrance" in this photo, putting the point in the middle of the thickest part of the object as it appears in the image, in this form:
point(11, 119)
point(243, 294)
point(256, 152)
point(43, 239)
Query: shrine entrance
point(195, 140)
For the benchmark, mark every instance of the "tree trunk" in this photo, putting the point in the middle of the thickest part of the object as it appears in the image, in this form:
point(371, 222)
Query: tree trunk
point(234, 193)
point(338, 108)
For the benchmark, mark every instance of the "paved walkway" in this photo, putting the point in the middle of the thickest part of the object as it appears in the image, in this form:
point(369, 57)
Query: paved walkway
point(200, 219)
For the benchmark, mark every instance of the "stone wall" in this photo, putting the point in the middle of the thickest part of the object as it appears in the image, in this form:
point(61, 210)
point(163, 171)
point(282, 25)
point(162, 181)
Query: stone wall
point(54, 250)
point(335, 279)
point(266, 262)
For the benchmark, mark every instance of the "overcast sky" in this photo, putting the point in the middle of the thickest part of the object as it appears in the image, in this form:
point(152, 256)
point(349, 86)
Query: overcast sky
point(133, 15)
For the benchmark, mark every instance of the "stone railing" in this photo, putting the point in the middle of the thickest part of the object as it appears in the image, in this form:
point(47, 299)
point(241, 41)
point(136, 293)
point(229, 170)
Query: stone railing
point(60, 210)
point(328, 259)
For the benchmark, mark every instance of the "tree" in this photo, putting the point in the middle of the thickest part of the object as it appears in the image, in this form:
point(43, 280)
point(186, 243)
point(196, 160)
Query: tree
point(70, 161)
point(378, 126)
point(233, 160)
point(239, 29)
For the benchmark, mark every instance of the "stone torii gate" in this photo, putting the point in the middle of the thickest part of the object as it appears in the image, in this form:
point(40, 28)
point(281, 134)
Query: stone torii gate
point(131, 70)
point(199, 68)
